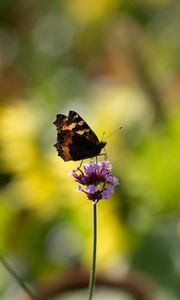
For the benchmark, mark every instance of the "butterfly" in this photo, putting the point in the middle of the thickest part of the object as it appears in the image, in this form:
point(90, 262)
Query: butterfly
point(75, 139)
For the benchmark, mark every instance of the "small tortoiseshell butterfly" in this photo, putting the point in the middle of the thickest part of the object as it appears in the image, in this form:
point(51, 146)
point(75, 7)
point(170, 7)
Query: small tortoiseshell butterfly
point(75, 139)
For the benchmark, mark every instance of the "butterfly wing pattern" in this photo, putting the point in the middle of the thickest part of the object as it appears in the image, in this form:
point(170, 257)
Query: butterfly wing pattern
point(75, 139)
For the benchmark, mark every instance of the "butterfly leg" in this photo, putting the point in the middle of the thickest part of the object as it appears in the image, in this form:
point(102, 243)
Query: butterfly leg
point(105, 154)
point(80, 164)
point(91, 161)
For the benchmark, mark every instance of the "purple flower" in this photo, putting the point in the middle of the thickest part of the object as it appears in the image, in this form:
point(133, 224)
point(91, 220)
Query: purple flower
point(107, 191)
point(96, 178)
point(91, 189)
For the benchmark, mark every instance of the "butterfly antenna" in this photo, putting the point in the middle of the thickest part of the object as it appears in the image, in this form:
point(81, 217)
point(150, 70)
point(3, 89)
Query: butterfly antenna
point(103, 136)
point(113, 132)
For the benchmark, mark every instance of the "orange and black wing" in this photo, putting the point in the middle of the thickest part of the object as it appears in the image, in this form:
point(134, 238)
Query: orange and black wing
point(75, 139)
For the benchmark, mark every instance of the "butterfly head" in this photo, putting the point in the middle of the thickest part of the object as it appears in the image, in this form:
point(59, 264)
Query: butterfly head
point(101, 145)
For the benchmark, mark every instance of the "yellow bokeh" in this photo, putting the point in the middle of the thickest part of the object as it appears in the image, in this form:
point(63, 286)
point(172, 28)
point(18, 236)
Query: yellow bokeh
point(112, 238)
point(91, 10)
point(18, 129)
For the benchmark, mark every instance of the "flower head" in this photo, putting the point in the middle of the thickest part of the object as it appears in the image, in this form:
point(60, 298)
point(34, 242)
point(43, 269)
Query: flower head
point(95, 180)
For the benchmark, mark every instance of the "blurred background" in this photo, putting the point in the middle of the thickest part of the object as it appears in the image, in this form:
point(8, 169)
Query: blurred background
point(117, 64)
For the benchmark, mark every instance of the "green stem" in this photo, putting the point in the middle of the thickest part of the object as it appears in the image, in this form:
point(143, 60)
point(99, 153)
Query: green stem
point(93, 268)
point(18, 279)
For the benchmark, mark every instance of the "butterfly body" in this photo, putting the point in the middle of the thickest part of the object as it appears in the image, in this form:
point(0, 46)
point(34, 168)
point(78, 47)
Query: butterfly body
point(75, 139)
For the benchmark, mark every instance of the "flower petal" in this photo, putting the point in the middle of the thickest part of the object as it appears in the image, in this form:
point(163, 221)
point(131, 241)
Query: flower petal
point(91, 189)
point(79, 188)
